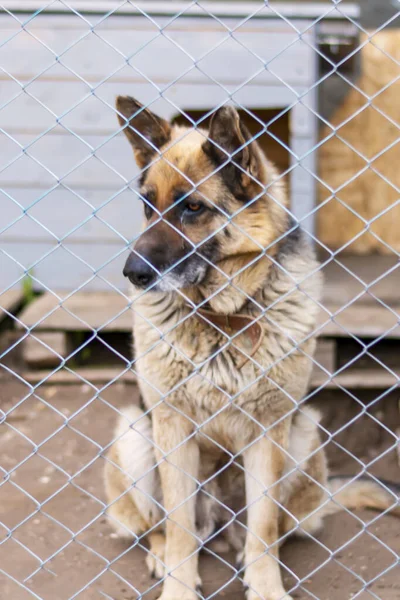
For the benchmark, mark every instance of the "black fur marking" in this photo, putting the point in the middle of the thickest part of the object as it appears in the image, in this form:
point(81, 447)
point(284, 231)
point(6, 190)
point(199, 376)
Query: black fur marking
point(230, 173)
point(214, 349)
point(223, 358)
point(207, 253)
point(168, 351)
point(290, 243)
point(210, 249)
point(142, 177)
point(142, 404)
point(218, 354)
point(157, 302)
point(169, 316)
point(231, 146)
point(145, 130)
point(296, 231)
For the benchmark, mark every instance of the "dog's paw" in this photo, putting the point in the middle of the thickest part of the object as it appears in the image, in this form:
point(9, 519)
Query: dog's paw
point(156, 555)
point(175, 590)
point(277, 594)
point(180, 594)
point(155, 566)
point(264, 584)
point(188, 596)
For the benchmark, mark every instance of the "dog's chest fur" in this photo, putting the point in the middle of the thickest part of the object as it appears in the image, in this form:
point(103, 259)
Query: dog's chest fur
point(192, 366)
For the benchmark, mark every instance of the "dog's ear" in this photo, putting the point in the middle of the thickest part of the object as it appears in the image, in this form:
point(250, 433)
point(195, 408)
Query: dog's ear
point(146, 131)
point(229, 141)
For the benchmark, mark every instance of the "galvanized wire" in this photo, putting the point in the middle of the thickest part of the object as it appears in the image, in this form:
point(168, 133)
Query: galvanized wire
point(304, 30)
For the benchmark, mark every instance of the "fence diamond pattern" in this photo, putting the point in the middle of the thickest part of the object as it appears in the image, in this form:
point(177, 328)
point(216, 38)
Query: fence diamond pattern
point(76, 126)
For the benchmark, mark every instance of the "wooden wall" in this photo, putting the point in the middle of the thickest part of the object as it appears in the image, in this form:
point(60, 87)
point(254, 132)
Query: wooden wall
point(360, 165)
point(67, 205)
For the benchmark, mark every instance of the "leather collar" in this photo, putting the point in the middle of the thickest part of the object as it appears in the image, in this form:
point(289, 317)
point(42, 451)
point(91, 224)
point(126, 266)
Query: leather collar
point(237, 324)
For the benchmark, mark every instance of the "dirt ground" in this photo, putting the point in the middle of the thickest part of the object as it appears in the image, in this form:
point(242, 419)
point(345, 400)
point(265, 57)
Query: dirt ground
point(51, 447)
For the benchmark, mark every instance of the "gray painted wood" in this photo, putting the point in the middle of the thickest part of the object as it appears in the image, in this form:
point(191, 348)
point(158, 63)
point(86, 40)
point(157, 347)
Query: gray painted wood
point(9, 301)
point(194, 49)
point(287, 8)
point(81, 311)
point(78, 215)
point(45, 349)
point(88, 113)
point(61, 156)
point(361, 321)
point(91, 266)
point(325, 355)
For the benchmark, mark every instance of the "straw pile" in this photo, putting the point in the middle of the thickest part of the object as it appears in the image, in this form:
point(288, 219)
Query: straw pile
point(361, 165)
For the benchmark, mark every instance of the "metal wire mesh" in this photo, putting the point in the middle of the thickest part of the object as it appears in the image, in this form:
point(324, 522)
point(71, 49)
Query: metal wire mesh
point(62, 65)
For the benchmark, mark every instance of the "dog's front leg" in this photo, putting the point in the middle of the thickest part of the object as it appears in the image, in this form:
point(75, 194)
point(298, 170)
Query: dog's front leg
point(178, 457)
point(264, 464)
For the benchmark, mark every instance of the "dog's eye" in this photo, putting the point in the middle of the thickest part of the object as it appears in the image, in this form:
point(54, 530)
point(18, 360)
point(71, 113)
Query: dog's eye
point(194, 207)
point(148, 209)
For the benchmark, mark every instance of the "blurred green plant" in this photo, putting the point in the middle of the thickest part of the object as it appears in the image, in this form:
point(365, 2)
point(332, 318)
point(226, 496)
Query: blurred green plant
point(27, 288)
point(79, 341)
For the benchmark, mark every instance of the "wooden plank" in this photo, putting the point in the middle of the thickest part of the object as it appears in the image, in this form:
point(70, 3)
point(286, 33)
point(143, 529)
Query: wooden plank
point(356, 379)
point(9, 301)
point(252, 46)
point(325, 356)
point(45, 350)
point(351, 276)
point(41, 216)
point(349, 380)
point(360, 320)
point(93, 309)
point(26, 113)
point(310, 9)
point(93, 113)
point(66, 158)
point(96, 266)
point(95, 376)
point(81, 312)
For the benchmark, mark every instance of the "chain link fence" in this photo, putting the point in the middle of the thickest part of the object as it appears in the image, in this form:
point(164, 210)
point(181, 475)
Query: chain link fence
point(119, 471)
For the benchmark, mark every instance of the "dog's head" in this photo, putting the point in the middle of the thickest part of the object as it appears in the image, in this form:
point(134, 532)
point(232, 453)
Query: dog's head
point(205, 196)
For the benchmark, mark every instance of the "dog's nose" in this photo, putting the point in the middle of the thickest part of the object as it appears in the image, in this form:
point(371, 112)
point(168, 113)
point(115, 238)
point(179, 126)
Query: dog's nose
point(138, 271)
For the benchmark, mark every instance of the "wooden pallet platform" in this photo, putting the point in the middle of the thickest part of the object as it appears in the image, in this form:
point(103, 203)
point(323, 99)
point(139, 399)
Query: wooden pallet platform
point(91, 375)
point(345, 280)
point(360, 320)
point(356, 379)
point(9, 302)
point(54, 318)
point(88, 311)
point(81, 311)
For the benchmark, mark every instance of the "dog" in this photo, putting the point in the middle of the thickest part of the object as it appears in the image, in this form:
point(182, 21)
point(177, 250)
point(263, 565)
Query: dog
point(226, 292)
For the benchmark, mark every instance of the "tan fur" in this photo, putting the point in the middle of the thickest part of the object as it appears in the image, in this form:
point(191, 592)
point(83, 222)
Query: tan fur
point(204, 407)
point(356, 494)
point(363, 202)
point(129, 514)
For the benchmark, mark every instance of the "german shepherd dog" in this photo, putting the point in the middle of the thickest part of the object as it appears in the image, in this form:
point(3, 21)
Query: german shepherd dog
point(225, 298)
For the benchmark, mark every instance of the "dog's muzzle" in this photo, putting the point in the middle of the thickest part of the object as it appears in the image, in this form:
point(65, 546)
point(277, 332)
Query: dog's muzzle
point(138, 271)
